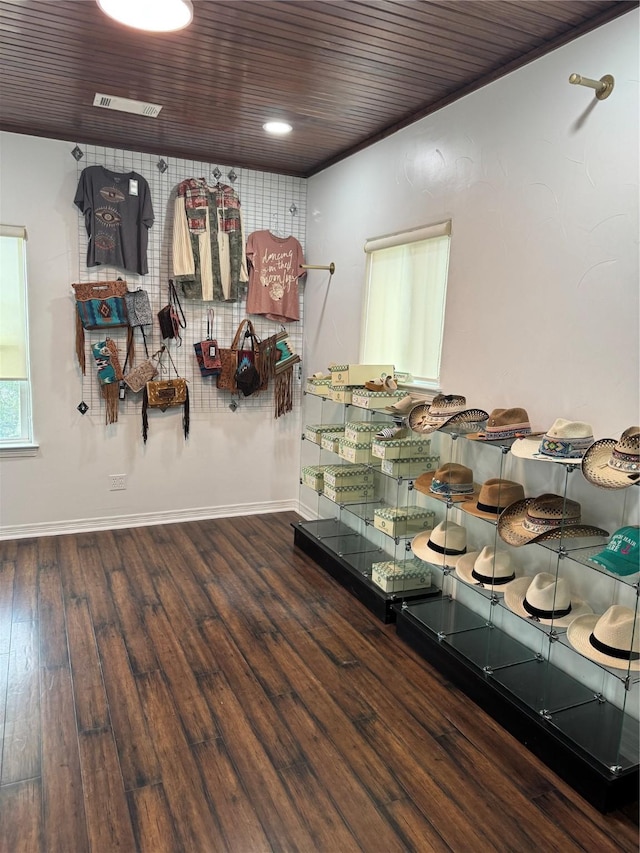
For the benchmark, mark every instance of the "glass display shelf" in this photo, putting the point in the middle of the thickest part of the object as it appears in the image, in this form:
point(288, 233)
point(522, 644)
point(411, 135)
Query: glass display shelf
point(578, 716)
point(582, 554)
point(542, 687)
point(590, 742)
point(348, 557)
point(603, 731)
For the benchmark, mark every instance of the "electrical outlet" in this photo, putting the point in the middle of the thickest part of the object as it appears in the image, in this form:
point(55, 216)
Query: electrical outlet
point(117, 482)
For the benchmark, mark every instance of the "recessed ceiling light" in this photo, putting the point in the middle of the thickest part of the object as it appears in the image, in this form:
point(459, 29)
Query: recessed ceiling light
point(278, 128)
point(156, 16)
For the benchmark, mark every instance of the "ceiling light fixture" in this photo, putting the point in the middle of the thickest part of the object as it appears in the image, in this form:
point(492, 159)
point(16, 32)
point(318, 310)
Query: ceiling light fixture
point(277, 128)
point(155, 16)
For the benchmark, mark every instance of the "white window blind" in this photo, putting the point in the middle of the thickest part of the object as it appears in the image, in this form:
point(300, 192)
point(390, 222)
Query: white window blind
point(13, 307)
point(405, 300)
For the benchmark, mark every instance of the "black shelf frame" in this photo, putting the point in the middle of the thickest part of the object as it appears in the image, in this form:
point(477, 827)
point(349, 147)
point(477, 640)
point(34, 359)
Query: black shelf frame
point(591, 778)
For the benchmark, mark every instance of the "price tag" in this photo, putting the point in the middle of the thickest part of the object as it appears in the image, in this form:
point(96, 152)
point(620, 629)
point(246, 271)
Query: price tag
point(133, 186)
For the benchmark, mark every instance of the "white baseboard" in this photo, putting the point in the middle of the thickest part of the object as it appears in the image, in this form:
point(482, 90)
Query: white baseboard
point(88, 525)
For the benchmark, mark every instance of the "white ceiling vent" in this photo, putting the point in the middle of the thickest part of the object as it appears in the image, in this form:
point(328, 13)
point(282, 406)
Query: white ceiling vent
point(126, 105)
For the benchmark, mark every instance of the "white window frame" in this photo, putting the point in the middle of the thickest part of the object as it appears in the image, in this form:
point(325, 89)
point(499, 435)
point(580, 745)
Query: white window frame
point(24, 444)
point(405, 238)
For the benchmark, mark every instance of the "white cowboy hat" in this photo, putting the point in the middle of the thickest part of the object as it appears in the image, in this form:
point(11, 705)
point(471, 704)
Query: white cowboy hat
point(488, 568)
point(442, 546)
point(565, 442)
point(612, 639)
point(545, 599)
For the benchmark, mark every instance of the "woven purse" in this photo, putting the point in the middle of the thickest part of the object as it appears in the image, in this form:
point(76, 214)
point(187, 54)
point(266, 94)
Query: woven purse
point(105, 354)
point(99, 305)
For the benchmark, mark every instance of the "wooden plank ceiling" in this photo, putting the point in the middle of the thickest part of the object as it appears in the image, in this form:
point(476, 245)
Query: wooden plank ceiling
point(344, 73)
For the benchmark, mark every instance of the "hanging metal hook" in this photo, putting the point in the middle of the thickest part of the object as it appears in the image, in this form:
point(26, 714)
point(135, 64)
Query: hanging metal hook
point(603, 86)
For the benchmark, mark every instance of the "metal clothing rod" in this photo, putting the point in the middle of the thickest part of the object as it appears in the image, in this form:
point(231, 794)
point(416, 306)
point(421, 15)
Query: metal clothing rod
point(331, 267)
point(603, 86)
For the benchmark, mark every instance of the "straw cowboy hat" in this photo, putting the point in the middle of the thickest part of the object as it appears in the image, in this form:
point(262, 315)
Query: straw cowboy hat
point(504, 424)
point(445, 410)
point(613, 464)
point(612, 639)
point(545, 599)
point(442, 546)
point(495, 495)
point(543, 518)
point(488, 568)
point(451, 481)
point(566, 442)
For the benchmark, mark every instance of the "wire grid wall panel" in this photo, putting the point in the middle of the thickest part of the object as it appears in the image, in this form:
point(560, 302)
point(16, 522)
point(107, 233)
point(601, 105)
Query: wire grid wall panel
point(267, 201)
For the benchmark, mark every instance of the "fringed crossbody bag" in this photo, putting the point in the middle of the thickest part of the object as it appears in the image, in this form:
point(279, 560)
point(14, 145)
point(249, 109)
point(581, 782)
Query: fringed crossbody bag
point(165, 394)
point(99, 305)
point(105, 354)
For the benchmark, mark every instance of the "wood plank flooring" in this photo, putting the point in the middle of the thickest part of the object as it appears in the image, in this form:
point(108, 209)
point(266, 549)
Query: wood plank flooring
point(205, 687)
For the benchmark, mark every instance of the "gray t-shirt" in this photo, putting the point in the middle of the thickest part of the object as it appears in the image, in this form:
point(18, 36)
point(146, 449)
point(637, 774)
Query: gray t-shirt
point(118, 214)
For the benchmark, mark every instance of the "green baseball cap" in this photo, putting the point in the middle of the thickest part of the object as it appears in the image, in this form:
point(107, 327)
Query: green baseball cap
point(622, 554)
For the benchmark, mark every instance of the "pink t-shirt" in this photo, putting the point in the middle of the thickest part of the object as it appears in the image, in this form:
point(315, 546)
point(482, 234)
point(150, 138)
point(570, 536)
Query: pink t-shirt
point(274, 270)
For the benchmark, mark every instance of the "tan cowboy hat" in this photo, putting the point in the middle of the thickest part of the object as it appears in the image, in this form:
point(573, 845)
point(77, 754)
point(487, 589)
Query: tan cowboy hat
point(504, 424)
point(488, 568)
point(612, 639)
point(565, 442)
point(444, 410)
point(613, 464)
point(451, 481)
point(442, 546)
point(545, 599)
point(543, 518)
point(494, 496)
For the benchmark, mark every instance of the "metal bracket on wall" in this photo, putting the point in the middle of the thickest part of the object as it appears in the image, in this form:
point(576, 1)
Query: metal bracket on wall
point(603, 86)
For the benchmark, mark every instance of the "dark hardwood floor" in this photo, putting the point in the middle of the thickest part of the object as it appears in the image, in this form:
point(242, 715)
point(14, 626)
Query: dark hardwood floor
point(205, 687)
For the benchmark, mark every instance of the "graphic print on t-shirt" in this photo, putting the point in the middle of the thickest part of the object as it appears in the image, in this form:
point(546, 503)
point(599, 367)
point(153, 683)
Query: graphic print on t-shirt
point(276, 272)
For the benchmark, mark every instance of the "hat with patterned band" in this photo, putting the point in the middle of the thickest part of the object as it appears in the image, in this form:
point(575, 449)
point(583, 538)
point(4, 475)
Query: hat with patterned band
point(543, 518)
point(451, 481)
point(504, 424)
point(566, 442)
point(545, 599)
point(495, 495)
point(442, 546)
point(445, 410)
point(613, 464)
point(487, 568)
point(612, 639)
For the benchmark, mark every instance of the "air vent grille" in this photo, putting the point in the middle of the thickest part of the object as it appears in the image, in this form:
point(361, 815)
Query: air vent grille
point(126, 105)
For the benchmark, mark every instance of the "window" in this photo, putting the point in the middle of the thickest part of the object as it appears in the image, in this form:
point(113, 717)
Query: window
point(404, 301)
point(15, 389)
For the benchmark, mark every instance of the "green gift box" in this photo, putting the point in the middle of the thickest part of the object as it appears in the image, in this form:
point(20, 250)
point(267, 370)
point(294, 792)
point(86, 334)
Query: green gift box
point(404, 520)
point(397, 576)
point(348, 475)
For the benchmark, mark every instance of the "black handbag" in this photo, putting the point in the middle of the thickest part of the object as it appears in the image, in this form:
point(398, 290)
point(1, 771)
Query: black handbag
point(171, 318)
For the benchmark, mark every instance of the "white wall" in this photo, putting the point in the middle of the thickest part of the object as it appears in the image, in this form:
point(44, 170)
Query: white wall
point(232, 463)
point(540, 181)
